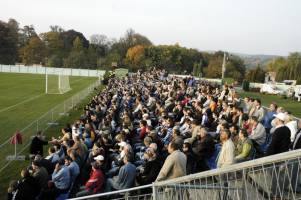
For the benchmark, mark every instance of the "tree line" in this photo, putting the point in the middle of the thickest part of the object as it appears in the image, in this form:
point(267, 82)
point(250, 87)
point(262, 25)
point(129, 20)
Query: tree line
point(71, 49)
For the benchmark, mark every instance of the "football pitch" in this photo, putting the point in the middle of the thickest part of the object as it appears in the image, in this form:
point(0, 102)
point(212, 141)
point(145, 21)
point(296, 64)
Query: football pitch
point(23, 100)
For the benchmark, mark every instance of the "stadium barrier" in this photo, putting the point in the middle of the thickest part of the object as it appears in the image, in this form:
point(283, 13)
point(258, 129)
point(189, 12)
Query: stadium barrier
point(276, 176)
point(41, 124)
point(51, 70)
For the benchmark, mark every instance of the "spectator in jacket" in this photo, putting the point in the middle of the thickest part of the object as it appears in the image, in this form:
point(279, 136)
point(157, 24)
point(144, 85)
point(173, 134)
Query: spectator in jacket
point(27, 187)
point(37, 143)
point(258, 134)
point(226, 155)
point(203, 148)
point(257, 110)
point(95, 183)
point(59, 183)
point(149, 171)
point(244, 147)
point(40, 174)
point(269, 116)
point(73, 168)
point(281, 136)
point(125, 178)
point(296, 144)
point(191, 158)
point(174, 165)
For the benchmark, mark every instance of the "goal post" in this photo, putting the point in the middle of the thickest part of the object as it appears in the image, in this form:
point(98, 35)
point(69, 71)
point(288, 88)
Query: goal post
point(57, 84)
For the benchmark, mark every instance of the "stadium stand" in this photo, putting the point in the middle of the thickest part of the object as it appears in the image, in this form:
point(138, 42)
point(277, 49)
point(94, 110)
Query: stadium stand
point(150, 127)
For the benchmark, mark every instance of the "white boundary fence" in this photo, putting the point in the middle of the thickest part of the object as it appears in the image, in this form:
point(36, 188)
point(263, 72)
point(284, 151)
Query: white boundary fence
point(51, 70)
point(42, 124)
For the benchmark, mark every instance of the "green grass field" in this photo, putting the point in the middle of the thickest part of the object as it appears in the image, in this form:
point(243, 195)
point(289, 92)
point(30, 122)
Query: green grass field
point(288, 104)
point(22, 101)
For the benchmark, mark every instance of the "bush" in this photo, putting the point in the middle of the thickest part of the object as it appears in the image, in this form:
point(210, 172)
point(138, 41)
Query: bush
point(246, 85)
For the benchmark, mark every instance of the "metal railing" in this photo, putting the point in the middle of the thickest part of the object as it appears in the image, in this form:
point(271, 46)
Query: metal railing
point(41, 124)
point(273, 177)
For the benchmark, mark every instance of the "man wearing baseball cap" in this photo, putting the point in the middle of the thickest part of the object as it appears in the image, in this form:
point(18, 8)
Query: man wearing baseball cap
point(281, 136)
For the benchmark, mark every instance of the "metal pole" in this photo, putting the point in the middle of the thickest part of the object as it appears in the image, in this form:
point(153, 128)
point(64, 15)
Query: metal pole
point(155, 195)
point(15, 147)
point(46, 90)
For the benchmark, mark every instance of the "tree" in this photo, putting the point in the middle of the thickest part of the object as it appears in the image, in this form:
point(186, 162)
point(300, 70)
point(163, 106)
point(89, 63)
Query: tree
point(256, 75)
point(8, 42)
point(26, 34)
point(69, 36)
point(77, 45)
point(54, 48)
point(34, 52)
point(101, 44)
point(135, 55)
point(56, 28)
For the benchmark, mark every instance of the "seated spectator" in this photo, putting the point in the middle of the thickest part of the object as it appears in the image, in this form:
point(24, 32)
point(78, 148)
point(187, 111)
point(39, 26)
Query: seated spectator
point(27, 187)
point(292, 124)
point(12, 188)
point(258, 134)
point(191, 165)
point(73, 168)
point(53, 157)
point(257, 110)
point(174, 165)
point(243, 147)
point(281, 138)
point(269, 116)
point(226, 156)
point(125, 178)
point(95, 183)
point(40, 174)
point(203, 148)
point(149, 171)
point(59, 184)
point(296, 144)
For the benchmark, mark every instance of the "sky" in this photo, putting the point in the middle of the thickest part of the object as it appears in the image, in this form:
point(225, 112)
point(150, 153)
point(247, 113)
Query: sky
point(270, 27)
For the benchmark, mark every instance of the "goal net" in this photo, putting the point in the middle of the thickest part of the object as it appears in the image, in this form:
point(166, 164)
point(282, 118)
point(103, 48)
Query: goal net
point(57, 84)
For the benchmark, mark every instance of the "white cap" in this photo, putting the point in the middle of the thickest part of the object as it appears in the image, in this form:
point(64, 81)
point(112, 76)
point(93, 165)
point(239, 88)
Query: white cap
point(122, 144)
point(280, 116)
point(99, 157)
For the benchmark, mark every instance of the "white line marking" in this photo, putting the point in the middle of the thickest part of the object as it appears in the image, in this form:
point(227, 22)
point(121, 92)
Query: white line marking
point(25, 101)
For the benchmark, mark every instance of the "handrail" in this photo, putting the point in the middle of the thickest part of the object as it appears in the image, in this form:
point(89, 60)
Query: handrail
point(235, 167)
point(231, 168)
point(114, 192)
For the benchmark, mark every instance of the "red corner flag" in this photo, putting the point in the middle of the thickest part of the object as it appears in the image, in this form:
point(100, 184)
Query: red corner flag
point(17, 138)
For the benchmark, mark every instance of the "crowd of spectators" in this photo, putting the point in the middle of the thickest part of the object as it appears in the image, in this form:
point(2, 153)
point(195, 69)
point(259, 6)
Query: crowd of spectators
point(149, 127)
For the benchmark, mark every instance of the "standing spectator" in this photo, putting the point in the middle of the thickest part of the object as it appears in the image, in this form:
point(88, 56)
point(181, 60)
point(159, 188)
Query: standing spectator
point(174, 165)
point(37, 143)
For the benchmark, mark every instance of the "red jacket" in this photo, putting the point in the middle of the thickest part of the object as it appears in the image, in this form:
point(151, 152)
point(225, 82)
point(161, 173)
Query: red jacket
point(142, 133)
point(95, 181)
